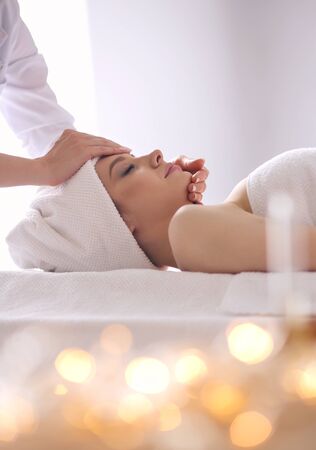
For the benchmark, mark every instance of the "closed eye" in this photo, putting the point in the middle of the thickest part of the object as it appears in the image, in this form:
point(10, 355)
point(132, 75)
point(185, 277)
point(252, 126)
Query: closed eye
point(131, 167)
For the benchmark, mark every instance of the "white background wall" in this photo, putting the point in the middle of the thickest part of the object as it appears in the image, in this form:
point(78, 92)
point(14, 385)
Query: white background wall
point(230, 80)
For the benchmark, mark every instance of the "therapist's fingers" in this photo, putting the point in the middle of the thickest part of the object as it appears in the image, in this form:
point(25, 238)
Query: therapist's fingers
point(95, 151)
point(79, 138)
point(195, 197)
point(93, 140)
point(187, 164)
point(80, 147)
point(107, 149)
point(197, 187)
point(200, 175)
point(68, 155)
point(99, 140)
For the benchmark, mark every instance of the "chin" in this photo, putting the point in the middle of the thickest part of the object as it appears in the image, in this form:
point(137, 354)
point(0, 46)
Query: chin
point(183, 178)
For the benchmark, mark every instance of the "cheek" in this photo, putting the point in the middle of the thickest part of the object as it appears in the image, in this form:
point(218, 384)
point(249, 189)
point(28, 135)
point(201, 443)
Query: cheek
point(143, 185)
point(137, 192)
point(148, 191)
point(145, 193)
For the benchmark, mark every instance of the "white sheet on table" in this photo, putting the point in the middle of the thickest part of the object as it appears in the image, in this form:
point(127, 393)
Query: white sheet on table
point(257, 293)
point(127, 293)
point(137, 293)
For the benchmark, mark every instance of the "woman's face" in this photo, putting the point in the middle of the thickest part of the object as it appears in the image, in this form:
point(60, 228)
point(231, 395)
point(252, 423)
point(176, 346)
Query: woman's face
point(145, 195)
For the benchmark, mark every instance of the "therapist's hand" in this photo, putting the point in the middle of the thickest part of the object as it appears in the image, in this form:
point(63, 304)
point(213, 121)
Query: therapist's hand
point(70, 152)
point(199, 175)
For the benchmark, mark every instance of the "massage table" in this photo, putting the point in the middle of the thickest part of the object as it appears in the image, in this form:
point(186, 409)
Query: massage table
point(163, 310)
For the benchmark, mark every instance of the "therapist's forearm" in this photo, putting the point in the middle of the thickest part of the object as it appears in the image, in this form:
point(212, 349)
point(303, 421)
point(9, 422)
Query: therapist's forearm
point(16, 171)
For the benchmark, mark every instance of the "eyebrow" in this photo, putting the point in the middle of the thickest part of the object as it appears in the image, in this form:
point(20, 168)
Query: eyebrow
point(117, 160)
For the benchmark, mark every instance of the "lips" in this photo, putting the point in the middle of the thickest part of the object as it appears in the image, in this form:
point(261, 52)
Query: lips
point(172, 168)
point(168, 167)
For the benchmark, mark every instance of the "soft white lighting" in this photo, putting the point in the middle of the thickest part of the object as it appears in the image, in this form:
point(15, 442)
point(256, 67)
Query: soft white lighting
point(65, 44)
point(147, 375)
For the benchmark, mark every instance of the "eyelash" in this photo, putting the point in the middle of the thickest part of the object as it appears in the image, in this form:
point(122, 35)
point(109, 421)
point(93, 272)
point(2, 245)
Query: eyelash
point(128, 169)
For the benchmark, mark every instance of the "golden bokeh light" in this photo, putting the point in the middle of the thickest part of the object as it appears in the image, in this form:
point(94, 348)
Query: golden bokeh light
point(113, 432)
point(74, 412)
point(60, 389)
point(194, 432)
point(289, 380)
point(116, 339)
point(94, 417)
point(134, 407)
point(17, 416)
point(306, 382)
point(222, 400)
point(120, 436)
point(250, 429)
point(178, 397)
point(190, 367)
point(147, 375)
point(169, 417)
point(75, 365)
point(8, 425)
point(25, 417)
point(250, 343)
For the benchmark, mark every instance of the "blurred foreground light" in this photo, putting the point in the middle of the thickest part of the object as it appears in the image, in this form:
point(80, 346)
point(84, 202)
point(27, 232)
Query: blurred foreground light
point(195, 432)
point(16, 416)
point(8, 426)
point(74, 412)
point(250, 343)
point(116, 339)
point(75, 365)
point(96, 416)
point(290, 380)
point(60, 389)
point(190, 367)
point(170, 417)
point(250, 429)
point(222, 400)
point(25, 416)
point(306, 382)
point(147, 375)
point(23, 351)
point(134, 407)
point(114, 434)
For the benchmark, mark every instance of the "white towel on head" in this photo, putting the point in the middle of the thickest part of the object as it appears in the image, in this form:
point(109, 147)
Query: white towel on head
point(292, 172)
point(75, 227)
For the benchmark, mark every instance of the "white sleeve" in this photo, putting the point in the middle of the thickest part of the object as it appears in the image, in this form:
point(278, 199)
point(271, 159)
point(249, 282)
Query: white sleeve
point(27, 102)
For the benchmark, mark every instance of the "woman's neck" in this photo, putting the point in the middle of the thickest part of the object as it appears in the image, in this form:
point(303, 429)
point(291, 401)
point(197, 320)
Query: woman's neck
point(157, 247)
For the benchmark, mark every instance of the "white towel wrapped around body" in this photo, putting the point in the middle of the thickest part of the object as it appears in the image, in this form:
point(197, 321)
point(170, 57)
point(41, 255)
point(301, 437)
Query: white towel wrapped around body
point(292, 172)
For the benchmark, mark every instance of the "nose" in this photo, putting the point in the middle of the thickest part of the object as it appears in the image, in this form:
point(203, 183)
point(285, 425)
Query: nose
point(156, 158)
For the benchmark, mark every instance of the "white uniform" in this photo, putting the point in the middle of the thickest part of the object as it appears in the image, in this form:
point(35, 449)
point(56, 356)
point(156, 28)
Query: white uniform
point(26, 101)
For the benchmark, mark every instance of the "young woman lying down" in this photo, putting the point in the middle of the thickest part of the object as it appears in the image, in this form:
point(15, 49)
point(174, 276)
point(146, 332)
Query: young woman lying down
point(133, 212)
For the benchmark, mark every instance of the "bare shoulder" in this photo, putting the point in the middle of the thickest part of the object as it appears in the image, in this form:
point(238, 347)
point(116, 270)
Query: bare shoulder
point(188, 216)
point(239, 196)
point(190, 231)
point(222, 238)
